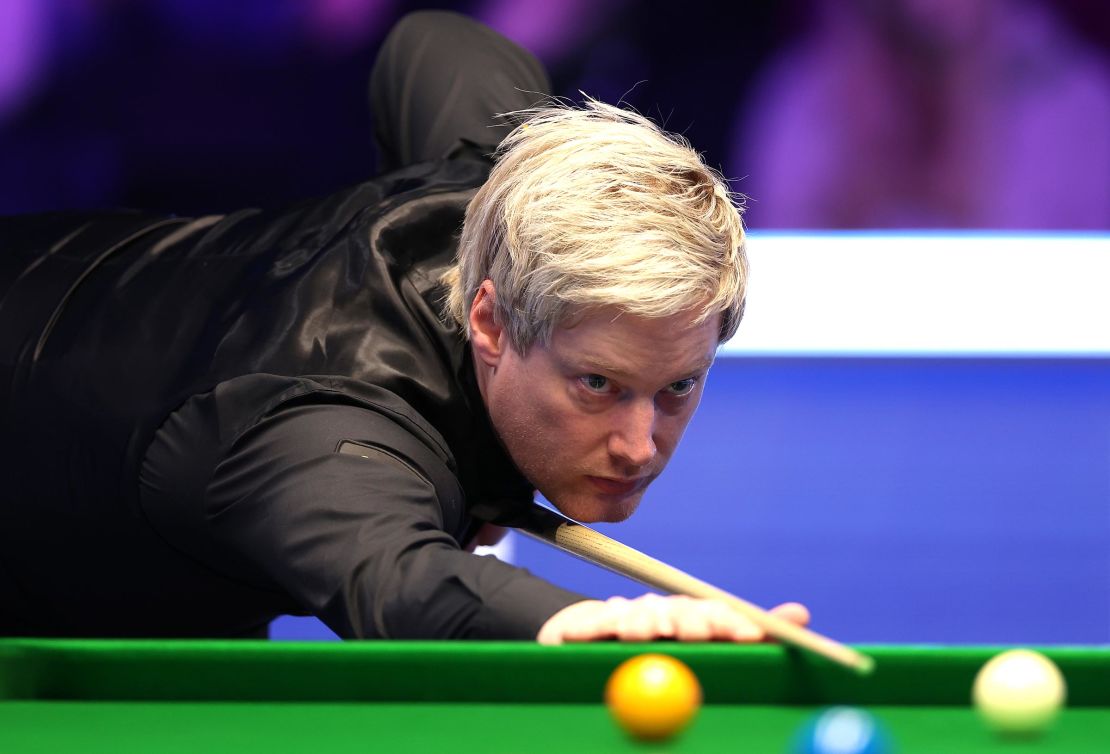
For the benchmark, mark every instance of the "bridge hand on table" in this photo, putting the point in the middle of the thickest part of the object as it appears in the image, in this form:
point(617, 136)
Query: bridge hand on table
point(655, 617)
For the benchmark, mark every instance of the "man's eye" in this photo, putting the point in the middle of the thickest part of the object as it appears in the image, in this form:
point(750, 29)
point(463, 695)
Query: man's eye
point(595, 383)
point(682, 387)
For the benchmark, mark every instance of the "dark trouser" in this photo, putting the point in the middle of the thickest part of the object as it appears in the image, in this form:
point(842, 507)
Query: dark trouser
point(438, 83)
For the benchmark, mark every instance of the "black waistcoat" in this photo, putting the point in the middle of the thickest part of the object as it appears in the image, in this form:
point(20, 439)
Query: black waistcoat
point(108, 323)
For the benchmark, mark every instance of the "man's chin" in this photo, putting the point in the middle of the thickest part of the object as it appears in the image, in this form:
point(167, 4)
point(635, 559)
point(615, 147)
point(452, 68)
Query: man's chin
point(589, 509)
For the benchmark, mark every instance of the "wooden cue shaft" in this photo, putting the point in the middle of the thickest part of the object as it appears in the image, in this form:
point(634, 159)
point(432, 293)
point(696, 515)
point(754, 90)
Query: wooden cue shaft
point(593, 546)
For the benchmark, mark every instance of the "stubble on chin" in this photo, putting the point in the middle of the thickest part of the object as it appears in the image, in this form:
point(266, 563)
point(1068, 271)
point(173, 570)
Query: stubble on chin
point(591, 510)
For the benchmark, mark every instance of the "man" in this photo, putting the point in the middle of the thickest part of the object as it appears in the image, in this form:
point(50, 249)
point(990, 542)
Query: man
point(211, 422)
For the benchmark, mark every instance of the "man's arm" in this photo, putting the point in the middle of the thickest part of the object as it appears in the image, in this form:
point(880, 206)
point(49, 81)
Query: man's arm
point(365, 543)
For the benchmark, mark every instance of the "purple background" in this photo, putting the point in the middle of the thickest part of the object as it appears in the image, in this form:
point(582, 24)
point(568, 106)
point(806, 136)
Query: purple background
point(829, 113)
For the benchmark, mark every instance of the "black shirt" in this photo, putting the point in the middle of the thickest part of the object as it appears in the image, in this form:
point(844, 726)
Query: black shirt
point(210, 422)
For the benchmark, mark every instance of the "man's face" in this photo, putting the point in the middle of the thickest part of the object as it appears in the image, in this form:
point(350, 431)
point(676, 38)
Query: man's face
point(593, 418)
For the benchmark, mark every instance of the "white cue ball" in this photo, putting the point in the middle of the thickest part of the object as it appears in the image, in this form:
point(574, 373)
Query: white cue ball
point(1019, 692)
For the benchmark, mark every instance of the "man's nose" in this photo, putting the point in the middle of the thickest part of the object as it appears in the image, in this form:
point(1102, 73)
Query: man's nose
point(632, 440)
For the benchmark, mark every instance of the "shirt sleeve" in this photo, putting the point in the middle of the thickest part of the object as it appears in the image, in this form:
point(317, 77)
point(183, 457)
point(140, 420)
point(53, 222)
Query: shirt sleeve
point(362, 540)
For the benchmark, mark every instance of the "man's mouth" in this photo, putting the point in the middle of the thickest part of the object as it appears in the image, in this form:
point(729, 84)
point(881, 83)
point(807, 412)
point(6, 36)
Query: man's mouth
point(617, 487)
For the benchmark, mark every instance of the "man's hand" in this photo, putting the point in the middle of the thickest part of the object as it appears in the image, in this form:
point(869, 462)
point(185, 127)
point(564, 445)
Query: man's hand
point(654, 617)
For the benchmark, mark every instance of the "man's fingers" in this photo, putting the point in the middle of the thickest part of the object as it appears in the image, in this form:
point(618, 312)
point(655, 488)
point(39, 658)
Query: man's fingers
point(730, 625)
point(637, 622)
point(576, 622)
point(655, 617)
point(793, 612)
point(692, 620)
point(746, 632)
point(596, 620)
point(616, 616)
point(664, 622)
point(644, 619)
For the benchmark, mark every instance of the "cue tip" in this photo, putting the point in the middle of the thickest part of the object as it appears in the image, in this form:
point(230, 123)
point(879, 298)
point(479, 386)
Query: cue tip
point(864, 665)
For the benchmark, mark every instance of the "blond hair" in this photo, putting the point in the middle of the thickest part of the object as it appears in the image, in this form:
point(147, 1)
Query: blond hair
point(597, 206)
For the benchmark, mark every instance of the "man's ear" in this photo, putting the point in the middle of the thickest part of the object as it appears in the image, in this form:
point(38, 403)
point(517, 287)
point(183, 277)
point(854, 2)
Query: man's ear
point(487, 336)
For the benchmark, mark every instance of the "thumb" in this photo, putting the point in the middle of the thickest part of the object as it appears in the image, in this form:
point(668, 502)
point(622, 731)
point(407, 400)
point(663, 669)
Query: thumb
point(795, 612)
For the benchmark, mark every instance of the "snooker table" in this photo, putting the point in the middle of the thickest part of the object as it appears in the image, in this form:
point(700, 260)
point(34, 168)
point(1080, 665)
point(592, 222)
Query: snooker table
point(256, 696)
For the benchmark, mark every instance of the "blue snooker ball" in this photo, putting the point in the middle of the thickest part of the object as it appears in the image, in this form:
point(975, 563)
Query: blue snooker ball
point(842, 730)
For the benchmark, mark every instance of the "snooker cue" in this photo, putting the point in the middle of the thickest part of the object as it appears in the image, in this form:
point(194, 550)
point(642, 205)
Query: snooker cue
point(590, 545)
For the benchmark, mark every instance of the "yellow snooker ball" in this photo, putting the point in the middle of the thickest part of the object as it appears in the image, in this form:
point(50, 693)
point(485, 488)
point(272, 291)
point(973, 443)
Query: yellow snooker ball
point(1019, 692)
point(653, 696)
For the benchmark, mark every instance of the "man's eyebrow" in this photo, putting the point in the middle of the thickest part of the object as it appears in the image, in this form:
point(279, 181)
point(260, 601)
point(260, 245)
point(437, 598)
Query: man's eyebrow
point(601, 365)
point(700, 368)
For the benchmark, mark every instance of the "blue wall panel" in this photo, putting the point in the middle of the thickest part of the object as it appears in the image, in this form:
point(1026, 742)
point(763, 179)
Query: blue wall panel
point(945, 500)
